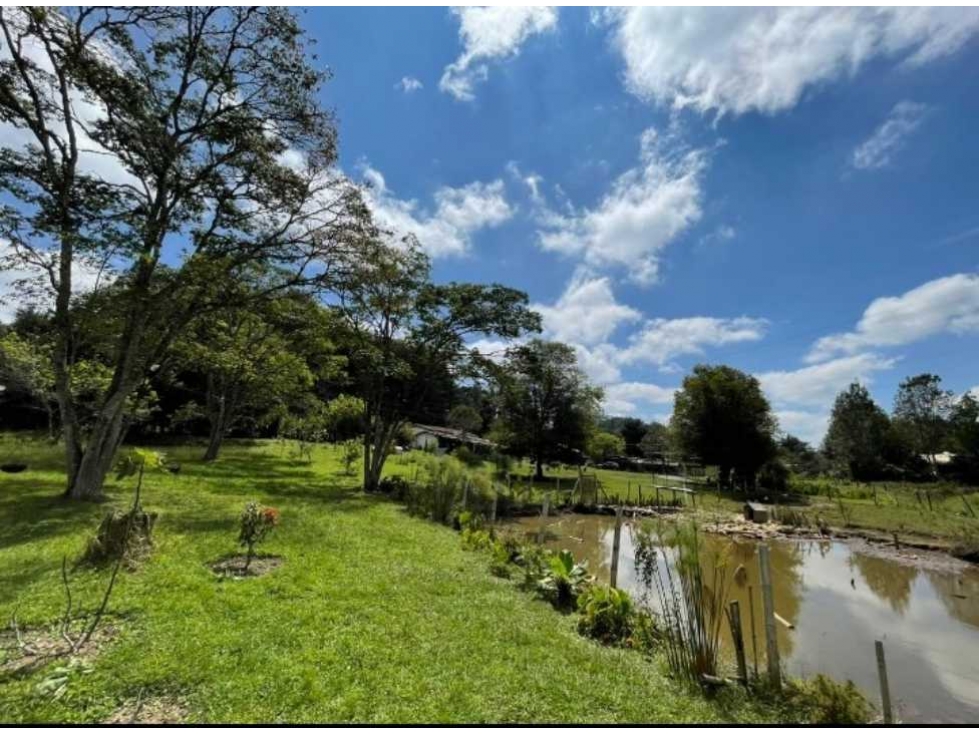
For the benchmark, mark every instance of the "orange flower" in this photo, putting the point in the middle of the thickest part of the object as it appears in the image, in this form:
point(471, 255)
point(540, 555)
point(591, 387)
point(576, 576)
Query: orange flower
point(270, 515)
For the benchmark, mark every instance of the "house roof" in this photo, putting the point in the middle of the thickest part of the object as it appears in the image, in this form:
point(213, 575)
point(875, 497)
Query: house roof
point(452, 434)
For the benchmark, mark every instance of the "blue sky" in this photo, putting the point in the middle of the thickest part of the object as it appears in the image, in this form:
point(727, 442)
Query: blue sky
point(792, 192)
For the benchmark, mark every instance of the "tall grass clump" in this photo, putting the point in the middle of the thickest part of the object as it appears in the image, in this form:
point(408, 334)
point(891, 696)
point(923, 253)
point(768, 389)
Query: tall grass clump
point(692, 591)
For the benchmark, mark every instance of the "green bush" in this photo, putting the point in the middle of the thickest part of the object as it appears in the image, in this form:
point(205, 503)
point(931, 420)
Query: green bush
point(607, 614)
point(822, 700)
point(563, 580)
point(468, 457)
point(395, 487)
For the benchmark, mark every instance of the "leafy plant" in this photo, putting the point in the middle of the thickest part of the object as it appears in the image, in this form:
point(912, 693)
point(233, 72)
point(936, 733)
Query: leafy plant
point(350, 456)
point(825, 701)
point(563, 579)
point(396, 487)
point(256, 524)
point(607, 614)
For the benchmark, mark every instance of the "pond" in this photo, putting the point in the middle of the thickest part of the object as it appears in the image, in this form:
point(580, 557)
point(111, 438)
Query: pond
point(839, 599)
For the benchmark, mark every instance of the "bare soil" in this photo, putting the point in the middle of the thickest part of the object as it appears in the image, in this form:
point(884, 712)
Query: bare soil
point(39, 646)
point(234, 566)
point(150, 710)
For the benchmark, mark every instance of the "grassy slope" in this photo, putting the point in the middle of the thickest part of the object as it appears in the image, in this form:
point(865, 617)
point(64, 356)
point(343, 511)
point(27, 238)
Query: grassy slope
point(374, 617)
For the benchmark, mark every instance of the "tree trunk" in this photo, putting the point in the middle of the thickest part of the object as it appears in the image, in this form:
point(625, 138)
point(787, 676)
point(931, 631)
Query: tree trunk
point(96, 459)
point(214, 440)
point(539, 472)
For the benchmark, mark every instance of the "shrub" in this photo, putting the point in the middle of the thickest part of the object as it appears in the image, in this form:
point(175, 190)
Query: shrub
point(822, 700)
point(563, 579)
point(256, 524)
point(475, 539)
point(350, 454)
point(394, 486)
point(607, 614)
point(468, 457)
point(773, 476)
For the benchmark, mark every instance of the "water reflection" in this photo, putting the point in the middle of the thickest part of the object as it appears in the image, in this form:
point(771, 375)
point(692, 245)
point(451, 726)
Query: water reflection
point(838, 601)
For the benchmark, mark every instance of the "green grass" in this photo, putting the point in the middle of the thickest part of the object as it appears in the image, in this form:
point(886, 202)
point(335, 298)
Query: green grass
point(884, 507)
point(374, 616)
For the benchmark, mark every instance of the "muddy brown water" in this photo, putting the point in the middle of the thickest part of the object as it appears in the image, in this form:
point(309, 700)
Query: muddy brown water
point(840, 598)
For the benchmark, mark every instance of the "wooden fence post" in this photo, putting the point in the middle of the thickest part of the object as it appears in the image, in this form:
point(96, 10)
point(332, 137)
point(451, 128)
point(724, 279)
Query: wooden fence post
point(657, 497)
point(734, 618)
point(768, 602)
point(616, 538)
point(543, 518)
point(885, 691)
point(754, 635)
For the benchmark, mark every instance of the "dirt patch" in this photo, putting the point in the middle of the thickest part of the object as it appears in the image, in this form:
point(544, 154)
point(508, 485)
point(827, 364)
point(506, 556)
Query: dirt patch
point(234, 566)
point(39, 646)
point(150, 710)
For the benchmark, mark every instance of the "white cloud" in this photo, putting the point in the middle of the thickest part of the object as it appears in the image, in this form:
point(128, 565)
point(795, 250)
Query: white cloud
point(409, 84)
point(949, 304)
point(810, 426)
point(487, 34)
point(735, 60)
point(636, 398)
point(803, 398)
point(888, 139)
point(458, 214)
point(23, 284)
point(722, 233)
point(819, 384)
point(587, 312)
point(647, 208)
point(599, 363)
point(661, 340)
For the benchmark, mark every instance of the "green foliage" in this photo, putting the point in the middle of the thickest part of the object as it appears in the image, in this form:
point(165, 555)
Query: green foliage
point(547, 405)
point(395, 486)
point(857, 433)
point(563, 580)
point(692, 591)
point(468, 457)
point(721, 416)
point(823, 701)
point(773, 476)
point(465, 418)
point(254, 526)
point(923, 408)
point(607, 614)
point(351, 453)
point(603, 445)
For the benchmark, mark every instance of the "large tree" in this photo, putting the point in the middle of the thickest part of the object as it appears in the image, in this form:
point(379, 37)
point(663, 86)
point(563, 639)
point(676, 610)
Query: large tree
point(858, 433)
point(163, 144)
point(922, 409)
point(964, 437)
point(406, 338)
point(255, 362)
point(548, 409)
point(721, 416)
point(655, 442)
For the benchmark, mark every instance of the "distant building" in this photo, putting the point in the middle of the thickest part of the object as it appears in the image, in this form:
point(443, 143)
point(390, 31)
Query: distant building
point(943, 459)
point(442, 438)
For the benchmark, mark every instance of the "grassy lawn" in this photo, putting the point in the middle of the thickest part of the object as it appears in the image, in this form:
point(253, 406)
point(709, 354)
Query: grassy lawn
point(373, 617)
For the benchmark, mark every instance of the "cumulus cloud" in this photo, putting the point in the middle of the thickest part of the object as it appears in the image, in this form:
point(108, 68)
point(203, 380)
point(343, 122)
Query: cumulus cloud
point(736, 60)
point(587, 312)
point(818, 385)
point(446, 230)
point(489, 34)
point(24, 281)
point(803, 398)
point(661, 340)
point(944, 305)
point(637, 398)
point(647, 208)
point(889, 138)
point(409, 84)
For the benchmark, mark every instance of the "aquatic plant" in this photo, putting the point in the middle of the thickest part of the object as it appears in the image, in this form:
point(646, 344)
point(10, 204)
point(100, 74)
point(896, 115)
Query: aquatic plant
point(691, 600)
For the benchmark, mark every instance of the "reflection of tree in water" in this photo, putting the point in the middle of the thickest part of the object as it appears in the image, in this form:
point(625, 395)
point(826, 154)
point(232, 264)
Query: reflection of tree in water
point(888, 580)
point(959, 594)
